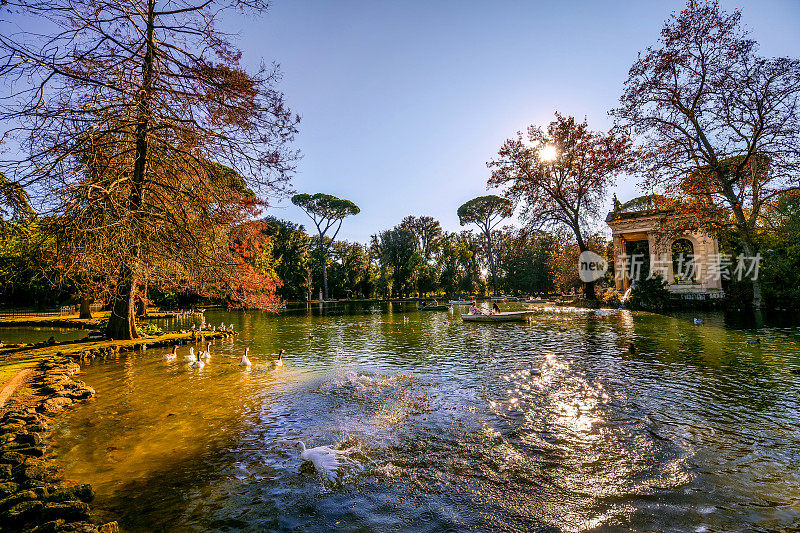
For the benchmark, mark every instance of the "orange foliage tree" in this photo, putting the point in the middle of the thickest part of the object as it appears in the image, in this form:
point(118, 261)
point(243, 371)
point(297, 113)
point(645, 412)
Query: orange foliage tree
point(718, 126)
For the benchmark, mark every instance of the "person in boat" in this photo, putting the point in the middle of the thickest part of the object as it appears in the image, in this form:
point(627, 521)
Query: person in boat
point(473, 309)
point(495, 309)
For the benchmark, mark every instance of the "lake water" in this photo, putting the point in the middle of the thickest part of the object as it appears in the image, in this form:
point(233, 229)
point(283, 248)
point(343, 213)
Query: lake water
point(547, 426)
point(34, 335)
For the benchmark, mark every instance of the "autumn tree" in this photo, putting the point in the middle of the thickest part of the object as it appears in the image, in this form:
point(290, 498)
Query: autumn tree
point(718, 126)
point(486, 212)
point(120, 110)
point(560, 175)
point(326, 211)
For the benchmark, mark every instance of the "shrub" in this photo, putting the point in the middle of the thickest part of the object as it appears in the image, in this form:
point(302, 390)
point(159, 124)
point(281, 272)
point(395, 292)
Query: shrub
point(650, 294)
point(611, 297)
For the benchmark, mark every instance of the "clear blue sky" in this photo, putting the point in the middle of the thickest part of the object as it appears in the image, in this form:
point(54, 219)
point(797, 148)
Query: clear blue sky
point(402, 103)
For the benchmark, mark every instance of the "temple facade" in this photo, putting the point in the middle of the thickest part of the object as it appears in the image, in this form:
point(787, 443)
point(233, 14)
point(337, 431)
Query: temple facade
point(689, 261)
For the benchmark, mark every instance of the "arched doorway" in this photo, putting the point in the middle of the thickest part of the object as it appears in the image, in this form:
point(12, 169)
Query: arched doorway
point(684, 269)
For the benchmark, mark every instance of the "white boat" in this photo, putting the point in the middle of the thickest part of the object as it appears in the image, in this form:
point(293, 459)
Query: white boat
point(460, 302)
point(513, 316)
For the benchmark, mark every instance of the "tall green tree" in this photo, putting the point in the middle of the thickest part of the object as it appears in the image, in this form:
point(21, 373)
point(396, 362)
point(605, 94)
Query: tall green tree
point(486, 212)
point(428, 232)
point(397, 250)
point(291, 247)
point(326, 211)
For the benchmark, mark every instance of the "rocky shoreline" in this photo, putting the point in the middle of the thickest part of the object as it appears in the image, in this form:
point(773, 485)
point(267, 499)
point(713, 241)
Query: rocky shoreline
point(34, 496)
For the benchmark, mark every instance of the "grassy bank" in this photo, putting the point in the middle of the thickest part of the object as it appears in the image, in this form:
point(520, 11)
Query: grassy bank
point(19, 359)
point(70, 321)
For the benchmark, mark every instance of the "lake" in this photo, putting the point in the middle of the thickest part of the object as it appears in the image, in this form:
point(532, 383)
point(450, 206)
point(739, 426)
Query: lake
point(546, 426)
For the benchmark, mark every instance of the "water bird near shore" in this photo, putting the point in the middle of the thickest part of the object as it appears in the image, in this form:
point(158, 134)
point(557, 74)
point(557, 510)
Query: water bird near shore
point(171, 356)
point(757, 341)
point(191, 356)
point(245, 360)
point(631, 347)
point(198, 363)
point(279, 360)
point(207, 353)
point(325, 459)
point(698, 320)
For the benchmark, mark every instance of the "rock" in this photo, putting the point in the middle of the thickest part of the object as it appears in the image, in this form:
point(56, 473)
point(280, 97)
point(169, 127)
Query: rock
point(49, 527)
point(12, 428)
point(111, 527)
point(17, 497)
point(5, 438)
point(13, 458)
point(82, 394)
point(38, 427)
point(40, 472)
point(53, 388)
point(68, 510)
point(22, 511)
point(32, 439)
point(77, 527)
point(8, 488)
point(54, 405)
point(32, 451)
point(81, 492)
point(5, 471)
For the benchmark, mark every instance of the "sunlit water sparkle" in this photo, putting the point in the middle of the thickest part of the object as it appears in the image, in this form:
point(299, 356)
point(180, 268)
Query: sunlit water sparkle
point(551, 426)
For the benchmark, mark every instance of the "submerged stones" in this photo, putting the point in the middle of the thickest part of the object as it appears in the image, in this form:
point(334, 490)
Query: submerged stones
point(33, 493)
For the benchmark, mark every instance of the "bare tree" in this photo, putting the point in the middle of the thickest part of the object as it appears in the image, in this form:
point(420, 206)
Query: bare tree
point(121, 112)
point(718, 126)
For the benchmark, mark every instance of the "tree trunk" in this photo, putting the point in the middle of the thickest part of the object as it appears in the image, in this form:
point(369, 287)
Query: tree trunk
point(324, 280)
point(122, 321)
point(86, 309)
point(588, 291)
point(491, 262)
point(588, 288)
point(749, 250)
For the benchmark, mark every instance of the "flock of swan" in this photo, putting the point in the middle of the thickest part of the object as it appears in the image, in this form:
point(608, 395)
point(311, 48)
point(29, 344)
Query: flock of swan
point(201, 358)
point(326, 460)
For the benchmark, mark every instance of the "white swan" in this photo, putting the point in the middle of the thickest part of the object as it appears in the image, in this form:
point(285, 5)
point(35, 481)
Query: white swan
point(207, 354)
point(191, 356)
point(325, 459)
point(198, 363)
point(171, 356)
point(245, 360)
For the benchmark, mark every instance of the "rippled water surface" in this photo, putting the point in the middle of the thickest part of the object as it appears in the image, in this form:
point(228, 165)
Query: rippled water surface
point(549, 426)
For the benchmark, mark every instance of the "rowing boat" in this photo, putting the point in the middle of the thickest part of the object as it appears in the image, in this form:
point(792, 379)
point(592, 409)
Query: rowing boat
point(514, 316)
point(433, 308)
point(460, 302)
